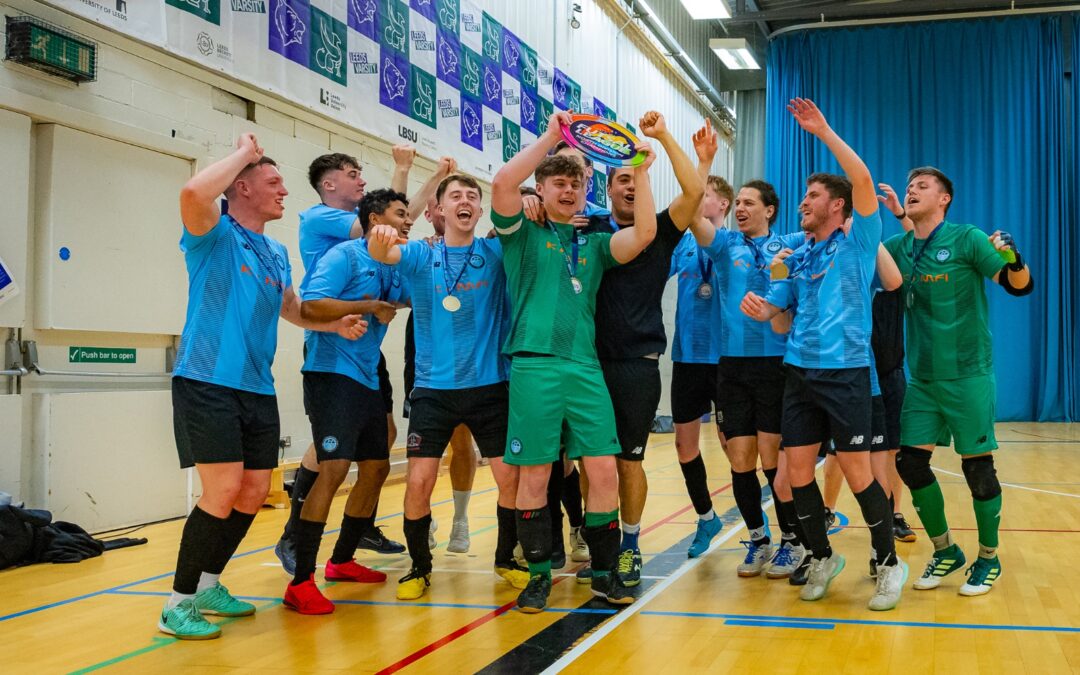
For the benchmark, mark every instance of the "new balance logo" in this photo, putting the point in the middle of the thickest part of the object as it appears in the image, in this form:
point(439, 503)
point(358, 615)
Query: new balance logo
point(878, 440)
point(856, 440)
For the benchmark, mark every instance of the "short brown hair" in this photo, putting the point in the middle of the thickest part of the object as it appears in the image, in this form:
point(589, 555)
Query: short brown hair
point(559, 165)
point(946, 184)
point(722, 188)
point(838, 187)
point(467, 181)
point(324, 164)
point(563, 145)
point(262, 161)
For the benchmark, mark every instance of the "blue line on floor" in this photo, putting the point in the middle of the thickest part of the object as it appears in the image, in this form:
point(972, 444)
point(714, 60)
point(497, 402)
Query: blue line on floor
point(866, 622)
point(777, 624)
point(68, 601)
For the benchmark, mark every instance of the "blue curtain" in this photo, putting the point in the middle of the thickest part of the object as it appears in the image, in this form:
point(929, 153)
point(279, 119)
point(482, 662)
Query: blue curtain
point(984, 101)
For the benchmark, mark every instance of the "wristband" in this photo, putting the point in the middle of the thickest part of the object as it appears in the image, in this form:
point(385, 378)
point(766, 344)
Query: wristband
point(1016, 265)
point(903, 214)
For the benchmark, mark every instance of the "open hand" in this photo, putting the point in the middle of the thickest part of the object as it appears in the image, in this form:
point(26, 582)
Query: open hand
point(808, 116)
point(705, 144)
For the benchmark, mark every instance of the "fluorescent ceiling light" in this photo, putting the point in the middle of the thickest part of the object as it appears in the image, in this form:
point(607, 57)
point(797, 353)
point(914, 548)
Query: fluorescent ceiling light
point(735, 53)
point(707, 9)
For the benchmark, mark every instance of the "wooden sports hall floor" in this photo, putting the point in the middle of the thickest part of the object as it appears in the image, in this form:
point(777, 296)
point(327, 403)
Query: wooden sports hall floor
point(692, 616)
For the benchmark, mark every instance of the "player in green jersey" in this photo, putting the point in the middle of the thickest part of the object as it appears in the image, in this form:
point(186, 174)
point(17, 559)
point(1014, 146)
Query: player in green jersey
point(553, 274)
point(952, 389)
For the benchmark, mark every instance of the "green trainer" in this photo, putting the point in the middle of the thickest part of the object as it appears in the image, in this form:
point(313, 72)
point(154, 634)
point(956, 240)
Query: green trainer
point(945, 562)
point(981, 576)
point(218, 601)
point(186, 623)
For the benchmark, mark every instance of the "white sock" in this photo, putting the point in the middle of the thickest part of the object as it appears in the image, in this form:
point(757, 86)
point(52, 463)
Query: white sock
point(175, 599)
point(461, 504)
point(708, 516)
point(207, 580)
point(627, 528)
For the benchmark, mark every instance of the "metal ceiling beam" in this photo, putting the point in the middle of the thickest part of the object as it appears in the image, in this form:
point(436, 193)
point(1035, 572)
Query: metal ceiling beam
point(844, 10)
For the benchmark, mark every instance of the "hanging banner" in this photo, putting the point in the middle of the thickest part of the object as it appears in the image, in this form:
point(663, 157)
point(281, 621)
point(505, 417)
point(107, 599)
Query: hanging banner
point(442, 75)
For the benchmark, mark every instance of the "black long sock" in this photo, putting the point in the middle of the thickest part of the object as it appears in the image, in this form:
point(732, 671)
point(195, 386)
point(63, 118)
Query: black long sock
point(747, 492)
point(507, 535)
point(233, 531)
point(348, 538)
point(810, 509)
point(785, 527)
point(785, 511)
point(878, 517)
point(416, 538)
point(571, 499)
point(308, 536)
point(302, 483)
point(603, 541)
point(198, 545)
point(697, 484)
point(534, 531)
point(554, 505)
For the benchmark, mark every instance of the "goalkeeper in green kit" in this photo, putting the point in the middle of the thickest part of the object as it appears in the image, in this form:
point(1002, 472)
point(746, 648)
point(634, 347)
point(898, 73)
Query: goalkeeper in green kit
point(952, 389)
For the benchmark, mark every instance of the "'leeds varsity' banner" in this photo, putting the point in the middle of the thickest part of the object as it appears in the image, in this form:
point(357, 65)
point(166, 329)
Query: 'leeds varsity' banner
point(440, 74)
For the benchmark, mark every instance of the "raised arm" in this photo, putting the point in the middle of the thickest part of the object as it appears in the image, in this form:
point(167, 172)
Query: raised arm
point(198, 198)
point(418, 202)
point(629, 242)
point(863, 197)
point(384, 244)
point(685, 206)
point(1014, 277)
point(403, 160)
point(505, 197)
point(705, 147)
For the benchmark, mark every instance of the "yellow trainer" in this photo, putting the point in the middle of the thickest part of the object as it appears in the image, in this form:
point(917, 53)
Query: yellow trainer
point(413, 585)
point(516, 576)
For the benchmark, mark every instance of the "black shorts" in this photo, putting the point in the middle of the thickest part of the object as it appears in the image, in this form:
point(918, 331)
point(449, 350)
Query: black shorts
point(750, 394)
point(828, 403)
point(215, 424)
point(408, 374)
point(437, 412)
point(693, 391)
point(893, 388)
point(386, 390)
point(878, 439)
point(634, 385)
point(348, 420)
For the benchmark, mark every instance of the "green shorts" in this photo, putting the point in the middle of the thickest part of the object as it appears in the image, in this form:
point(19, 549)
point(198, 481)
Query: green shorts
point(547, 392)
point(965, 408)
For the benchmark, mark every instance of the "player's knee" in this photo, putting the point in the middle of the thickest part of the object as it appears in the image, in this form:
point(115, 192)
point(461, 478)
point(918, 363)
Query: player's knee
point(913, 465)
point(981, 477)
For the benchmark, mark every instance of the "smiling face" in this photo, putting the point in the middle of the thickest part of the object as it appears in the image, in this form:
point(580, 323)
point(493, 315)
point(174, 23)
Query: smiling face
point(459, 207)
point(752, 215)
point(621, 194)
point(397, 215)
point(261, 189)
point(345, 183)
point(563, 196)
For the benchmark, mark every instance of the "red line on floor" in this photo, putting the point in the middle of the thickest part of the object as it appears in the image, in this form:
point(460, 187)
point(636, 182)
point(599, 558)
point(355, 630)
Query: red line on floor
point(975, 529)
point(470, 627)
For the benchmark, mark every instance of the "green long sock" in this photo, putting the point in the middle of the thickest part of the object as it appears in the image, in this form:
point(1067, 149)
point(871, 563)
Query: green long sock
point(988, 518)
point(930, 505)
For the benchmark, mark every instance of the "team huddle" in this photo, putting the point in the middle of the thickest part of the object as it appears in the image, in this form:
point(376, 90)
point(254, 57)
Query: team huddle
point(541, 343)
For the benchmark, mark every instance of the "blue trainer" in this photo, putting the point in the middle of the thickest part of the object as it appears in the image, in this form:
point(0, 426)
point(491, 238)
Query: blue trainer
point(706, 531)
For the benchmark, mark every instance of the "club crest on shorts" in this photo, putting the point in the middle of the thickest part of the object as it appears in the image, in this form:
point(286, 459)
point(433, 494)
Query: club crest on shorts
point(330, 443)
point(773, 247)
point(943, 254)
point(515, 446)
point(413, 441)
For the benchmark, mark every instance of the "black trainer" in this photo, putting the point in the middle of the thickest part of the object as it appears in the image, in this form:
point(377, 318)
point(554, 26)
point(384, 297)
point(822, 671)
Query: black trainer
point(286, 553)
point(901, 529)
point(798, 577)
point(608, 587)
point(534, 598)
point(376, 541)
point(830, 519)
point(558, 559)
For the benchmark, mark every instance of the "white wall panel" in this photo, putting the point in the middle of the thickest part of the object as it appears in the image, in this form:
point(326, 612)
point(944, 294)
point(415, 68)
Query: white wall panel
point(11, 445)
point(15, 196)
point(112, 207)
point(107, 459)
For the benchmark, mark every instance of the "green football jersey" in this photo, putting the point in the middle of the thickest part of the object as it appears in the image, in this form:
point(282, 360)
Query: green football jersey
point(948, 330)
point(547, 315)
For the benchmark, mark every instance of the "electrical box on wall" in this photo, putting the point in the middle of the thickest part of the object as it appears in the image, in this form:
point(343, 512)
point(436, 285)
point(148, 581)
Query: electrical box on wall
point(42, 46)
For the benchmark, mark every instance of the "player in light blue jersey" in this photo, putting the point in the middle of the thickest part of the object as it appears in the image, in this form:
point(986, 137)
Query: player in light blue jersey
point(828, 356)
point(462, 314)
point(225, 413)
point(346, 409)
point(750, 379)
point(695, 349)
point(338, 180)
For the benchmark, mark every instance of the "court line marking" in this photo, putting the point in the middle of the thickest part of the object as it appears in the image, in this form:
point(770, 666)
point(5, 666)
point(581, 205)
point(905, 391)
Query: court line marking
point(866, 622)
point(77, 598)
point(1015, 485)
point(778, 624)
point(468, 628)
